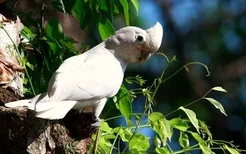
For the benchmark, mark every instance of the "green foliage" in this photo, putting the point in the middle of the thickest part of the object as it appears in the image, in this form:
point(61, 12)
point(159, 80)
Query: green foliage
point(47, 48)
point(105, 29)
point(190, 129)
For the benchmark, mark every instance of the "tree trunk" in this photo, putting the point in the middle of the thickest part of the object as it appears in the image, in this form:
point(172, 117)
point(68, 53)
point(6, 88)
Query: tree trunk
point(20, 131)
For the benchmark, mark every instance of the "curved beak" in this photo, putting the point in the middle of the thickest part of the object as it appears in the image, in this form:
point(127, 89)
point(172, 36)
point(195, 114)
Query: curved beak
point(153, 41)
point(155, 36)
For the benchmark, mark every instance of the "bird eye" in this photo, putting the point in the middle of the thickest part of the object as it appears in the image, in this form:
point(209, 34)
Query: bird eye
point(140, 38)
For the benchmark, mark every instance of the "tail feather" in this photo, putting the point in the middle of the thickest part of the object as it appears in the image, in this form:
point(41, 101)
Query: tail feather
point(54, 110)
point(25, 102)
point(44, 108)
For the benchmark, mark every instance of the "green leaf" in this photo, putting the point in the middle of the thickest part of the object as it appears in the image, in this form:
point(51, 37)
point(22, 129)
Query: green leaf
point(81, 11)
point(54, 47)
point(184, 140)
point(125, 133)
point(104, 145)
point(216, 104)
point(179, 124)
point(139, 144)
point(135, 4)
point(104, 127)
point(231, 150)
point(205, 149)
point(161, 126)
point(125, 6)
point(192, 116)
point(219, 89)
point(30, 66)
point(162, 150)
point(116, 10)
point(124, 103)
point(105, 29)
point(27, 33)
point(198, 138)
point(102, 5)
point(157, 142)
point(204, 127)
point(54, 30)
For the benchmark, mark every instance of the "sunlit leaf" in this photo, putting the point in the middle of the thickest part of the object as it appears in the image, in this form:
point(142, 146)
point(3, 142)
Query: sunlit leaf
point(179, 124)
point(204, 127)
point(104, 145)
point(192, 116)
point(125, 6)
point(161, 126)
point(124, 133)
point(184, 140)
point(105, 29)
point(162, 150)
point(198, 138)
point(29, 65)
point(219, 89)
point(216, 104)
point(231, 150)
point(157, 141)
point(139, 144)
point(205, 149)
point(104, 127)
point(124, 102)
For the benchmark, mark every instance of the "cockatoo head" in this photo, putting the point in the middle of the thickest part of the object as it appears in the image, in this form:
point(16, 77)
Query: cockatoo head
point(133, 44)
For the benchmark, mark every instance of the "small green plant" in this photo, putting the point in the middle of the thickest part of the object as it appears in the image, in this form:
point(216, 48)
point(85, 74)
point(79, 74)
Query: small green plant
point(108, 139)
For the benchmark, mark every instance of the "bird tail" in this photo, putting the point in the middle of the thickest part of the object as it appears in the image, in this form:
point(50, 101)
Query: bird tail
point(28, 102)
point(54, 110)
point(25, 102)
point(45, 108)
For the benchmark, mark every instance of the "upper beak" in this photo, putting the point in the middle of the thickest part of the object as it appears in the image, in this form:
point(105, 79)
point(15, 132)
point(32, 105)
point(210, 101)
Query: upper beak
point(155, 37)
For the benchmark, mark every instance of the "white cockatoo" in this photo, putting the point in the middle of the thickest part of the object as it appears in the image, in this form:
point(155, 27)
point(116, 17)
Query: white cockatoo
point(87, 80)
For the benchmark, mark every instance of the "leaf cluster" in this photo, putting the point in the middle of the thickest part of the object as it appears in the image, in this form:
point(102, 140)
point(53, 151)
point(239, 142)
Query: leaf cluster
point(191, 129)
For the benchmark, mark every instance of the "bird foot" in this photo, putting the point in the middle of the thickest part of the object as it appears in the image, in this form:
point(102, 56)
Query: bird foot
point(96, 123)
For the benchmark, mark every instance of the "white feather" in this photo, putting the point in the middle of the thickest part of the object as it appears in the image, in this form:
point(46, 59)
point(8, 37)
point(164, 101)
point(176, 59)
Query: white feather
point(54, 110)
point(25, 102)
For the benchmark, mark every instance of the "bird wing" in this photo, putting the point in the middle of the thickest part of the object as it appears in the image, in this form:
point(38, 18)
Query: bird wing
point(87, 76)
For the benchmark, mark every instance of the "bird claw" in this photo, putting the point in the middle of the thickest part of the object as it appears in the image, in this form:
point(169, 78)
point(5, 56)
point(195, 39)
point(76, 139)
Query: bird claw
point(96, 123)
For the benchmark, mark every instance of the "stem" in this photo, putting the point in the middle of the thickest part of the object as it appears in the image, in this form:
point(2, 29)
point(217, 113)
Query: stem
point(141, 126)
point(190, 103)
point(18, 52)
point(146, 100)
point(94, 151)
point(160, 80)
point(115, 139)
point(121, 116)
point(185, 66)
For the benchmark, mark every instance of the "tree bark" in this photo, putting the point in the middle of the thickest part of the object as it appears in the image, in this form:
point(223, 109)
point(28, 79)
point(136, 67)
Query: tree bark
point(20, 131)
